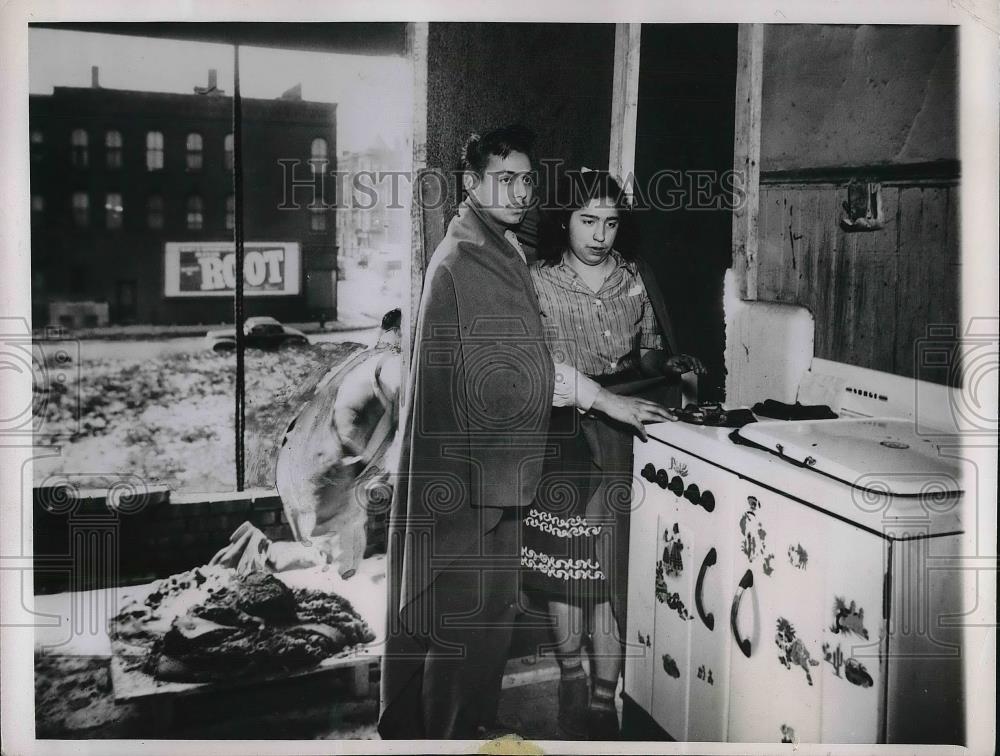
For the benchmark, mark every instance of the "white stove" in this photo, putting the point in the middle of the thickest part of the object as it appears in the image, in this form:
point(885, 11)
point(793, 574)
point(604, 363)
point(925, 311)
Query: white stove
point(791, 587)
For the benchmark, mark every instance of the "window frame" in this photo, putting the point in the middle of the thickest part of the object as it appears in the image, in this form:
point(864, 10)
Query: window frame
point(194, 152)
point(194, 208)
point(155, 151)
point(79, 140)
point(113, 153)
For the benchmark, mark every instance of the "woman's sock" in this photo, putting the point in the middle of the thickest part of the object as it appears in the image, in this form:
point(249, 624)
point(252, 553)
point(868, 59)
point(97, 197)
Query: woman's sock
point(602, 698)
point(570, 666)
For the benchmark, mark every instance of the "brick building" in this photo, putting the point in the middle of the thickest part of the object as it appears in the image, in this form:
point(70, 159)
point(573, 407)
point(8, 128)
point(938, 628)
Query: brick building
point(133, 213)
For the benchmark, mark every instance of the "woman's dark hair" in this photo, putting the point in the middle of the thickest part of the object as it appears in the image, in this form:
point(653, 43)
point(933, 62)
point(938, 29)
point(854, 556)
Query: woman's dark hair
point(392, 319)
point(500, 142)
point(571, 190)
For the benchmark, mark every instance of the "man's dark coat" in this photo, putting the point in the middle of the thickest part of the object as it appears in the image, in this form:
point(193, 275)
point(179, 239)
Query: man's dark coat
point(474, 438)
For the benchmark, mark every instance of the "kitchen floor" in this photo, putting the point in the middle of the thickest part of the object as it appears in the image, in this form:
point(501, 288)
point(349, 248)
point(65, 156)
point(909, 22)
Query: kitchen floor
point(74, 699)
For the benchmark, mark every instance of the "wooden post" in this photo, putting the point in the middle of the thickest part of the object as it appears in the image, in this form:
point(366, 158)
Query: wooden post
point(625, 103)
point(746, 156)
point(416, 47)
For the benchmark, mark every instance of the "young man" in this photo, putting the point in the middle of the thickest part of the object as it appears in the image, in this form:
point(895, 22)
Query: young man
point(473, 440)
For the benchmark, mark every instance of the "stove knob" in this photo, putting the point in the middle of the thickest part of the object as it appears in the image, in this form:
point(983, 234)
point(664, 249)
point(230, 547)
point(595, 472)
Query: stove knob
point(661, 478)
point(677, 485)
point(649, 472)
point(692, 494)
point(707, 501)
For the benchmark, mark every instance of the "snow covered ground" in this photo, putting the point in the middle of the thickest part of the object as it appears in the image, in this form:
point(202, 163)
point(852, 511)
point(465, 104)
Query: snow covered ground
point(167, 416)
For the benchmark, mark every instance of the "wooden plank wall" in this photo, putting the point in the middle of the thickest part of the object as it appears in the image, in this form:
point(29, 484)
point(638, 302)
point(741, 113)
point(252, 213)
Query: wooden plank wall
point(873, 294)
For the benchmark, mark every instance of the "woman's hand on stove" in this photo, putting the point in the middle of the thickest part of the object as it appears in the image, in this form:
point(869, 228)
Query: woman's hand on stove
point(678, 364)
point(631, 410)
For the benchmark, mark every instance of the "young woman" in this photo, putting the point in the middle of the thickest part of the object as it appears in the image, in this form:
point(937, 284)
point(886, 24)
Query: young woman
point(598, 316)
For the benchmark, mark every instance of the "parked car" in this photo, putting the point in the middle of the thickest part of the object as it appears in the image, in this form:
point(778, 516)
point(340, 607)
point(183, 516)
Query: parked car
point(260, 332)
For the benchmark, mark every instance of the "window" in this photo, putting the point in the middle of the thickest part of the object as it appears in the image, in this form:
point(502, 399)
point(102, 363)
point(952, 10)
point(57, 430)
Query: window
point(81, 209)
point(317, 218)
point(230, 213)
point(154, 212)
point(227, 146)
point(154, 151)
point(195, 213)
point(37, 208)
point(113, 149)
point(113, 210)
point(79, 141)
point(37, 144)
point(318, 156)
point(194, 152)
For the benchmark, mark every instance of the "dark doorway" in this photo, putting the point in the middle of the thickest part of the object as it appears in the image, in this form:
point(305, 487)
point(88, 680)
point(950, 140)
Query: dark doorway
point(684, 148)
point(125, 305)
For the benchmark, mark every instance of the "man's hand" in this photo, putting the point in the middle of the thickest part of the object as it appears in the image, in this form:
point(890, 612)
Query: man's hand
point(631, 410)
point(684, 363)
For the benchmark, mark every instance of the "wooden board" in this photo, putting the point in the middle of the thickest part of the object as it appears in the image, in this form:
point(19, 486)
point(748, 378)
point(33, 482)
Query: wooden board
point(366, 591)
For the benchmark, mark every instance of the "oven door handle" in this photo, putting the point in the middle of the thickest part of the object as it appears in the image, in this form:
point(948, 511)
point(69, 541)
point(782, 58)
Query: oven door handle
point(745, 582)
point(707, 617)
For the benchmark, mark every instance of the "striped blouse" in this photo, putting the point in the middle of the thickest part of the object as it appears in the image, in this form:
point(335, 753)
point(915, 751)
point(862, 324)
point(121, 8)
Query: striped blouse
point(598, 333)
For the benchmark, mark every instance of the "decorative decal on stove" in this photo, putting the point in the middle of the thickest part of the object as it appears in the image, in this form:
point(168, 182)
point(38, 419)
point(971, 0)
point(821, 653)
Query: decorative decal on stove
point(768, 565)
point(665, 596)
point(754, 542)
point(788, 734)
point(679, 467)
point(797, 556)
point(706, 677)
point(854, 670)
point(793, 650)
point(848, 619)
point(670, 666)
point(673, 562)
point(836, 658)
point(856, 673)
point(671, 565)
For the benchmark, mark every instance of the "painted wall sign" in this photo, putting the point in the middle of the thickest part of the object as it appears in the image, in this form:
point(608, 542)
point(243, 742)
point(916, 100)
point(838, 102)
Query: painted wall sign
point(848, 619)
point(208, 269)
point(797, 556)
point(670, 666)
point(793, 650)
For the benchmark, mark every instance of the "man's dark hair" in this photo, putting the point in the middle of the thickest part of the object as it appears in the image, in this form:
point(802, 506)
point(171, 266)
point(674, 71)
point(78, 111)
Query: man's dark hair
point(500, 142)
point(572, 190)
point(392, 319)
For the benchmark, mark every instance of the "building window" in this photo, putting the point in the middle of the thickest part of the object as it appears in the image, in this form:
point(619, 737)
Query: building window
point(37, 208)
point(228, 151)
point(154, 151)
point(317, 218)
point(37, 144)
point(79, 141)
point(195, 213)
point(230, 213)
point(113, 210)
point(318, 155)
point(194, 152)
point(113, 149)
point(154, 212)
point(81, 209)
